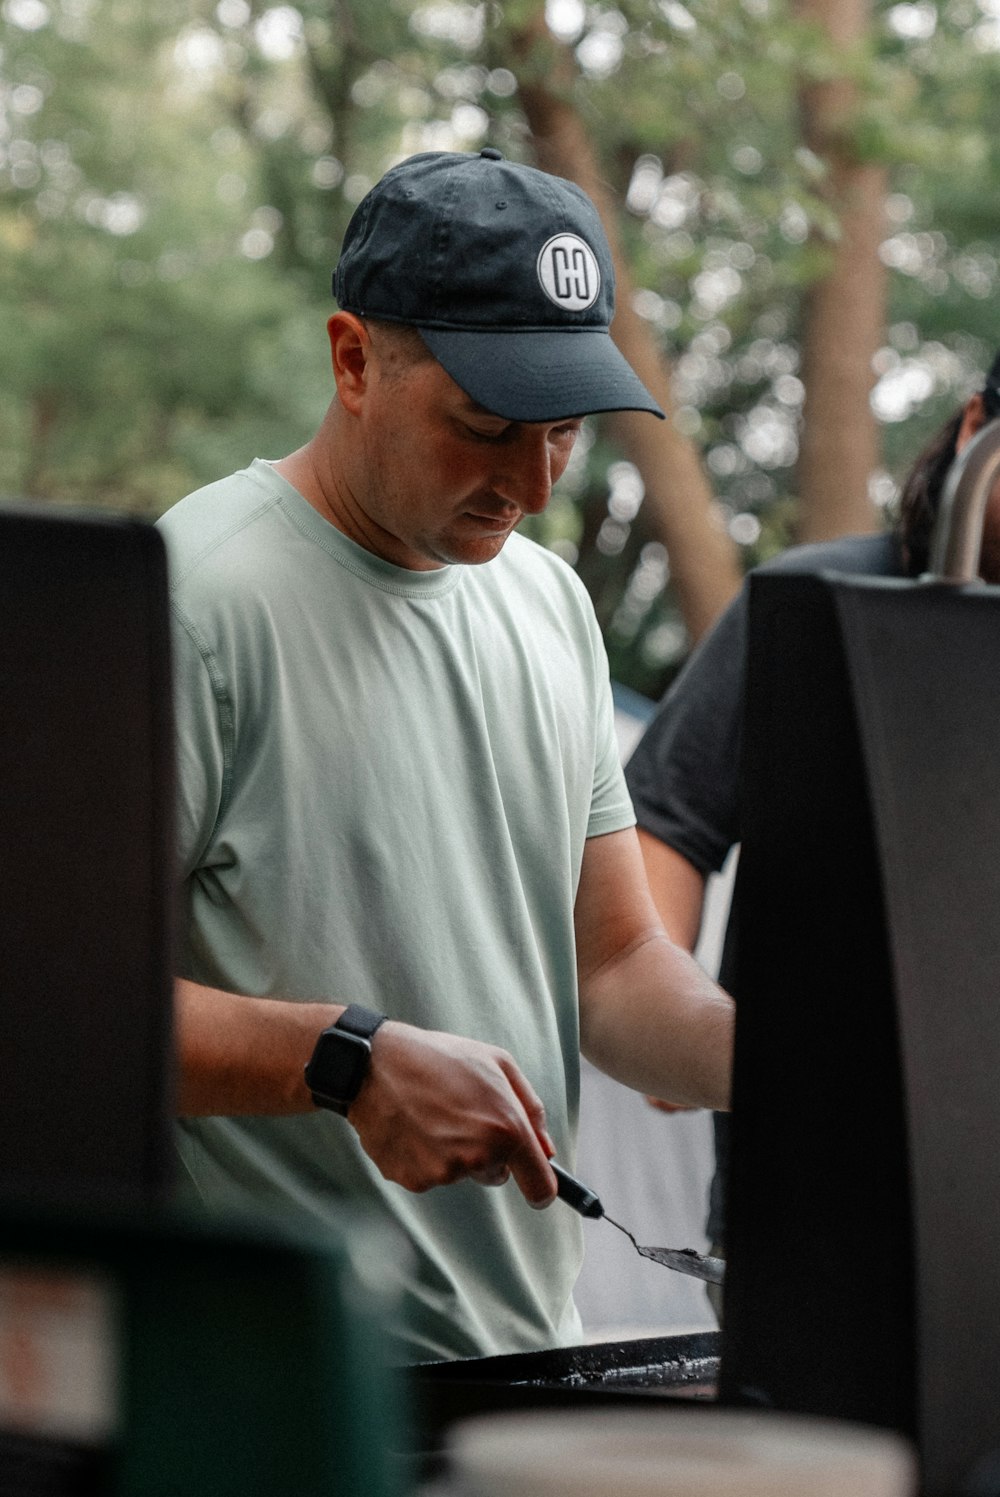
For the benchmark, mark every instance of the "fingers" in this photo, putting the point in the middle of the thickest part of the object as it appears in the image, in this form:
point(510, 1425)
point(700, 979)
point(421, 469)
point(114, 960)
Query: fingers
point(535, 1181)
point(529, 1168)
point(436, 1108)
point(497, 1175)
point(530, 1165)
point(531, 1103)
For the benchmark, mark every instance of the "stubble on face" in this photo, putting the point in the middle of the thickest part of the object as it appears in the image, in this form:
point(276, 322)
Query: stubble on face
point(420, 493)
point(412, 469)
point(431, 460)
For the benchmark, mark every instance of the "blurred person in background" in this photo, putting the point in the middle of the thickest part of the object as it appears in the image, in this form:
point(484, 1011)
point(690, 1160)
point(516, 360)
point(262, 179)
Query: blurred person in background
point(684, 774)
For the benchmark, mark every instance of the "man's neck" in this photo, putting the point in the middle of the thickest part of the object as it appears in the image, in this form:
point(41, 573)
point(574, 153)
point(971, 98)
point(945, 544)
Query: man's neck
point(299, 469)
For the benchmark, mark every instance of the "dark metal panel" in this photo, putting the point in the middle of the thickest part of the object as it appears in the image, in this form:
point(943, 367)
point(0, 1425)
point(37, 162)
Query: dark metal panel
point(818, 1299)
point(86, 858)
point(925, 664)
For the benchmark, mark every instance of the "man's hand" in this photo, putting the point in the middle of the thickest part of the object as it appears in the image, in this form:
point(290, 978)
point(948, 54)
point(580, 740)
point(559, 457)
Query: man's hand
point(433, 1108)
point(436, 1108)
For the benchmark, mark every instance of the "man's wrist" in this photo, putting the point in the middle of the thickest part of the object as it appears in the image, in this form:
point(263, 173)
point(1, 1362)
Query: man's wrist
point(341, 1059)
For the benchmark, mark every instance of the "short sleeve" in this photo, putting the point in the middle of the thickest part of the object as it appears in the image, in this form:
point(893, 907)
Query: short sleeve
point(611, 807)
point(203, 744)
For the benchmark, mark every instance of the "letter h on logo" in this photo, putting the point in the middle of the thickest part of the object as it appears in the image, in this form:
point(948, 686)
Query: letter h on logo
point(570, 274)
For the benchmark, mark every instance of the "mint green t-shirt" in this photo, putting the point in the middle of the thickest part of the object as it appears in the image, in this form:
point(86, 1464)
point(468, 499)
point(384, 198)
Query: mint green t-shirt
point(386, 780)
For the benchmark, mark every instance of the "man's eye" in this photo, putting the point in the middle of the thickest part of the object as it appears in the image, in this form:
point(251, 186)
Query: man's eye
point(486, 436)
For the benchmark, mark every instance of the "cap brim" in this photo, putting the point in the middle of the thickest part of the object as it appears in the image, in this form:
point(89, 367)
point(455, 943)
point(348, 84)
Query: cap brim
point(540, 376)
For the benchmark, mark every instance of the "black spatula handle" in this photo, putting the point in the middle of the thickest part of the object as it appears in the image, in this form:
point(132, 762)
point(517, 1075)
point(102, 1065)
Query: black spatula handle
point(575, 1193)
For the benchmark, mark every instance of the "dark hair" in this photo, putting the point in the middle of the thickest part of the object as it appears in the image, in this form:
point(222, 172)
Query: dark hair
point(921, 494)
point(400, 345)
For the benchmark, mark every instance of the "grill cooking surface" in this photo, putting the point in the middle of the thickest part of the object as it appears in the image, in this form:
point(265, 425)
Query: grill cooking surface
point(687, 1365)
point(661, 1367)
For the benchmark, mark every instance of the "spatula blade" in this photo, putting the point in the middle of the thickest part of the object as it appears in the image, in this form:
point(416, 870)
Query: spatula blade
point(686, 1260)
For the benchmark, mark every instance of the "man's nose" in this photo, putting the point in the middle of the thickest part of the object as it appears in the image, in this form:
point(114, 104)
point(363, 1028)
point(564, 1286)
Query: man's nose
point(524, 474)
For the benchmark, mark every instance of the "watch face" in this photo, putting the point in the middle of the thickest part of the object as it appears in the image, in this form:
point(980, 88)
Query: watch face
point(339, 1064)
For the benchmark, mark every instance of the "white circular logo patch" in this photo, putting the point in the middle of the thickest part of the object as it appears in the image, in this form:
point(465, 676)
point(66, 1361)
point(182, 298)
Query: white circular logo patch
point(568, 272)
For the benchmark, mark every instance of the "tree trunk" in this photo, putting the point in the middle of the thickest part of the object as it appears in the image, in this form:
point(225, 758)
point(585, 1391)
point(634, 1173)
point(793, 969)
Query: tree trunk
point(844, 312)
point(44, 417)
point(681, 505)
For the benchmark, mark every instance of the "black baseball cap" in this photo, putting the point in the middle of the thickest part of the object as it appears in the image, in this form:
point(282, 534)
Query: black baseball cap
point(506, 273)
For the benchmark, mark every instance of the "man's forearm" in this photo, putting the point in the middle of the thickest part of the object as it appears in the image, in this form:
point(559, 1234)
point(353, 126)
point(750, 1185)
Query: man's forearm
point(241, 1056)
point(651, 1018)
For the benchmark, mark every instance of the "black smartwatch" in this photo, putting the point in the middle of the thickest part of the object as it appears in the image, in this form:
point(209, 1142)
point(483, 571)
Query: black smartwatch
point(340, 1060)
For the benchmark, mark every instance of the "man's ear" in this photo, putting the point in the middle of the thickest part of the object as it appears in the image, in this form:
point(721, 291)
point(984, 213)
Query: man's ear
point(973, 417)
point(350, 352)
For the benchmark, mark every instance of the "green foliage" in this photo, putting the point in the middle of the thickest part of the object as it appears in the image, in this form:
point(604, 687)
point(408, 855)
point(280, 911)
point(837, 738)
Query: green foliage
point(130, 314)
point(175, 180)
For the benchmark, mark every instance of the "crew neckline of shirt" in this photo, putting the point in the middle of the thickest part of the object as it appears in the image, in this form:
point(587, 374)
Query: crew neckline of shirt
point(364, 564)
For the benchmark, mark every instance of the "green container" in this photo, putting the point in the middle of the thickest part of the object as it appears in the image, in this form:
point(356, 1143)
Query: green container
point(160, 1355)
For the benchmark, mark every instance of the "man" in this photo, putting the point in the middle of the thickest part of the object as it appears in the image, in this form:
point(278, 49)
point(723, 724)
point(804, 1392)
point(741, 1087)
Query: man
point(399, 784)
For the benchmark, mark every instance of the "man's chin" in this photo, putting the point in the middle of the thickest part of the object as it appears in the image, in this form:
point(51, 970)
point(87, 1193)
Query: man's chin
point(473, 551)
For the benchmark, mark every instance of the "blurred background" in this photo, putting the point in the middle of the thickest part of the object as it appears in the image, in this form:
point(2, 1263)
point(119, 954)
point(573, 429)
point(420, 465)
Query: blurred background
point(801, 196)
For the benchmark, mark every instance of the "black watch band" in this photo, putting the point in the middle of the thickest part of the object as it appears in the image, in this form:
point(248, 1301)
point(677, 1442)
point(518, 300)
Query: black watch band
point(339, 1063)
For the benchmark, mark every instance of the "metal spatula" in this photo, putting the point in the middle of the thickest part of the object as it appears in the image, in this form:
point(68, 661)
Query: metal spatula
point(682, 1260)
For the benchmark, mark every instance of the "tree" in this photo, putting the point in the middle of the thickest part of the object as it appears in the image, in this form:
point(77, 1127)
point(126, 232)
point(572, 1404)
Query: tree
point(703, 562)
point(844, 309)
point(174, 183)
point(135, 326)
